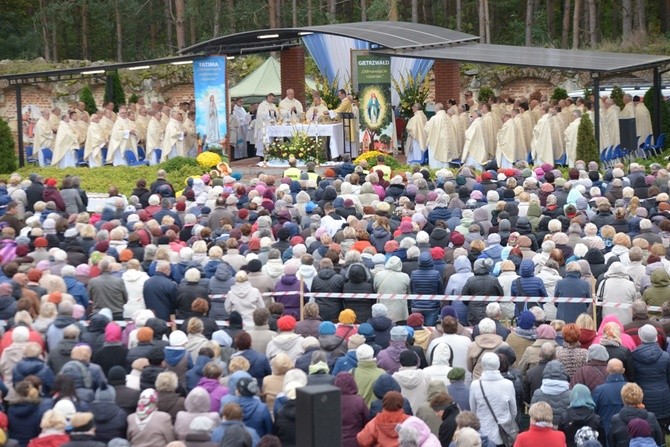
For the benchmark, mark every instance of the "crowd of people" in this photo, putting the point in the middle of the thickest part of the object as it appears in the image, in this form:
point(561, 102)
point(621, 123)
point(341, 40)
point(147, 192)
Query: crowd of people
point(195, 319)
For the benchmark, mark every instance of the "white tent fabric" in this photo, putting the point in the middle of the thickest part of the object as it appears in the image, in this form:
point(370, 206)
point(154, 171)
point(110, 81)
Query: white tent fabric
point(264, 80)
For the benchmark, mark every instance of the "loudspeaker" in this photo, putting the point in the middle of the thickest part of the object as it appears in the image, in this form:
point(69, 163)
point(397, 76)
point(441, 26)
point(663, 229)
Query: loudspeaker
point(628, 133)
point(319, 416)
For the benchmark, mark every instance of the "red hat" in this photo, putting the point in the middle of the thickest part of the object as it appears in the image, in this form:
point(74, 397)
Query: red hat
point(34, 275)
point(457, 238)
point(41, 242)
point(180, 206)
point(102, 246)
point(254, 243)
point(243, 213)
point(22, 250)
point(437, 253)
point(51, 182)
point(486, 176)
point(145, 334)
point(55, 297)
point(286, 323)
point(348, 203)
point(415, 320)
point(295, 240)
point(126, 255)
point(329, 172)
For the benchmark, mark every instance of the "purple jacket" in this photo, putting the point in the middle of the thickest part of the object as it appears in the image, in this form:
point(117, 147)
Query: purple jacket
point(290, 283)
point(216, 392)
point(389, 359)
point(354, 410)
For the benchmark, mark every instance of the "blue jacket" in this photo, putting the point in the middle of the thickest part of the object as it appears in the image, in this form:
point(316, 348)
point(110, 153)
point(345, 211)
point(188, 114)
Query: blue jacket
point(607, 398)
point(426, 280)
point(463, 271)
point(194, 374)
point(160, 295)
point(345, 363)
point(24, 422)
point(259, 364)
point(530, 284)
point(439, 213)
point(256, 414)
point(77, 290)
point(220, 431)
point(572, 286)
point(383, 385)
point(34, 366)
point(652, 373)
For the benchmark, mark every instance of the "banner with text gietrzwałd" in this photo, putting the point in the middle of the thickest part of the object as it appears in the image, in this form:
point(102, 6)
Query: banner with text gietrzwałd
point(373, 73)
point(211, 105)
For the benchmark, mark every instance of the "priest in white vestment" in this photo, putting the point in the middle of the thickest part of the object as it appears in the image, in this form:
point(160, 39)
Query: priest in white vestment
point(65, 145)
point(173, 139)
point(352, 138)
point(459, 128)
point(628, 107)
point(106, 125)
point(318, 112)
point(506, 143)
point(474, 149)
point(521, 153)
point(55, 119)
point(154, 138)
point(142, 123)
point(440, 138)
point(243, 118)
point(541, 146)
point(44, 136)
point(489, 130)
point(642, 120)
point(416, 143)
point(190, 135)
point(571, 137)
point(122, 138)
point(528, 125)
point(290, 109)
point(611, 123)
point(94, 143)
point(557, 133)
point(266, 114)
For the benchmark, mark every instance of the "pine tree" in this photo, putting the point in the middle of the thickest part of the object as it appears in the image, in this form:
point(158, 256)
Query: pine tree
point(665, 113)
point(86, 96)
point(114, 91)
point(617, 96)
point(559, 93)
point(485, 93)
point(7, 149)
point(587, 149)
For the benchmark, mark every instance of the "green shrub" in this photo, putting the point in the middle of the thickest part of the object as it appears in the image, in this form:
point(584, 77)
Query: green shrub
point(133, 99)
point(587, 148)
point(177, 163)
point(485, 93)
point(617, 96)
point(86, 96)
point(7, 149)
point(559, 93)
point(665, 113)
point(114, 91)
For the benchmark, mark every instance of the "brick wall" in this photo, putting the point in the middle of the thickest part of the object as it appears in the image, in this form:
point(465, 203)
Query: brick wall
point(447, 80)
point(293, 72)
point(523, 87)
point(178, 92)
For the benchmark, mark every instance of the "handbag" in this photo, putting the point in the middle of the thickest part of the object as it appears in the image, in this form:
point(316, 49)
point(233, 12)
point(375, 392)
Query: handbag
point(508, 430)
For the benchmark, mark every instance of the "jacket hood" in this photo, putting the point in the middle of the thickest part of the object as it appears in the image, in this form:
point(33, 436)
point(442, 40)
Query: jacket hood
point(366, 188)
point(660, 278)
point(281, 364)
point(462, 265)
point(286, 340)
point(65, 347)
point(306, 271)
point(594, 256)
point(197, 400)
point(357, 274)
point(409, 378)
point(384, 384)
point(425, 261)
point(394, 263)
point(422, 430)
point(346, 383)
point(326, 274)
point(173, 355)
point(523, 225)
point(527, 268)
point(330, 342)
point(439, 234)
point(132, 275)
point(555, 370)
point(302, 197)
point(106, 411)
point(98, 323)
point(223, 272)
point(62, 321)
point(330, 193)
point(29, 366)
point(288, 279)
point(380, 324)
point(436, 386)
point(241, 289)
point(648, 353)
point(380, 232)
point(616, 270)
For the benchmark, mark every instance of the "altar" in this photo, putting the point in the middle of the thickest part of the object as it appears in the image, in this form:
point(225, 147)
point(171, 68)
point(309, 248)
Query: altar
point(333, 132)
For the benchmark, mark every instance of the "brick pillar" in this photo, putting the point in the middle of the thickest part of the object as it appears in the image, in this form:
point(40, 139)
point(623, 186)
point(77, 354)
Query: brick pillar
point(293, 72)
point(447, 81)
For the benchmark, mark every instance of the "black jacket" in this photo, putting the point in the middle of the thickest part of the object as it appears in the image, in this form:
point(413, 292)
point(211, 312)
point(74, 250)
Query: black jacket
point(328, 281)
point(618, 435)
point(110, 421)
point(34, 195)
point(358, 283)
point(188, 292)
point(160, 295)
point(448, 425)
point(577, 418)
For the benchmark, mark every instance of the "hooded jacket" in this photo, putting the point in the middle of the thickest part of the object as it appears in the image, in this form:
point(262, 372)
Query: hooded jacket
point(94, 334)
point(291, 302)
point(223, 279)
point(110, 421)
point(555, 390)
point(60, 355)
point(287, 342)
point(652, 366)
point(572, 286)
point(353, 409)
point(389, 359)
point(426, 280)
point(197, 404)
point(659, 292)
point(381, 431)
point(414, 385)
point(482, 283)
point(618, 435)
point(393, 280)
point(328, 281)
point(617, 288)
point(357, 282)
point(463, 271)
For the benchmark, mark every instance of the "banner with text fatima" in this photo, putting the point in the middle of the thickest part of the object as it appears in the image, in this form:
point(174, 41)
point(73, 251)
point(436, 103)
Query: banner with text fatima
point(211, 106)
point(374, 93)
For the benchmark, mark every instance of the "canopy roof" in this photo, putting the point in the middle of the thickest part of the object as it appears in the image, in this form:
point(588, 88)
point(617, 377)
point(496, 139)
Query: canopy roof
point(262, 81)
point(578, 60)
point(391, 35)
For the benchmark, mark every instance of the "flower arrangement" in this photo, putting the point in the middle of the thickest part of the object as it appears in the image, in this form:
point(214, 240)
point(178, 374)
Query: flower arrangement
point(411, 91)
point(301, 147)
point(370, 158)
point(327, 91)
point(208, 159)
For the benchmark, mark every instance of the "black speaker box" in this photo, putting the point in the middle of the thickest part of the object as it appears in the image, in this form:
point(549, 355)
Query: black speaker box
point(627, 133)
point(318, 416)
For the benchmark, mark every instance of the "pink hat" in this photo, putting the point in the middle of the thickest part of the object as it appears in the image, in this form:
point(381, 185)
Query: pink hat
point(83, 270)
point(43, 265)
point(78, 311)
point(112, 333)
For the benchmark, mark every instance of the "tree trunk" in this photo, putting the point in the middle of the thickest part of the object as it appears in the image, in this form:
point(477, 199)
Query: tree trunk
point(551, 16)
point(415, 11)
point(272, 8)
point(640, 16)
point(179, 23)
point(627, 19)
point(529, 22)
point(482, 25)
point(84, 31)
point(278, 9)
point(593, 23)
point(393, 11)
point(459, 15)
point(167, 11)
point(577, 14)
point(364, 11)
point(231, 16)
point(217, 18)
point(566, 24)
point(45, 32)
point(310, 12)
point(54, 43)
point(332, 9)
point(487, 21)
point(294, 7)
point(119, 31)
point(665, 16)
